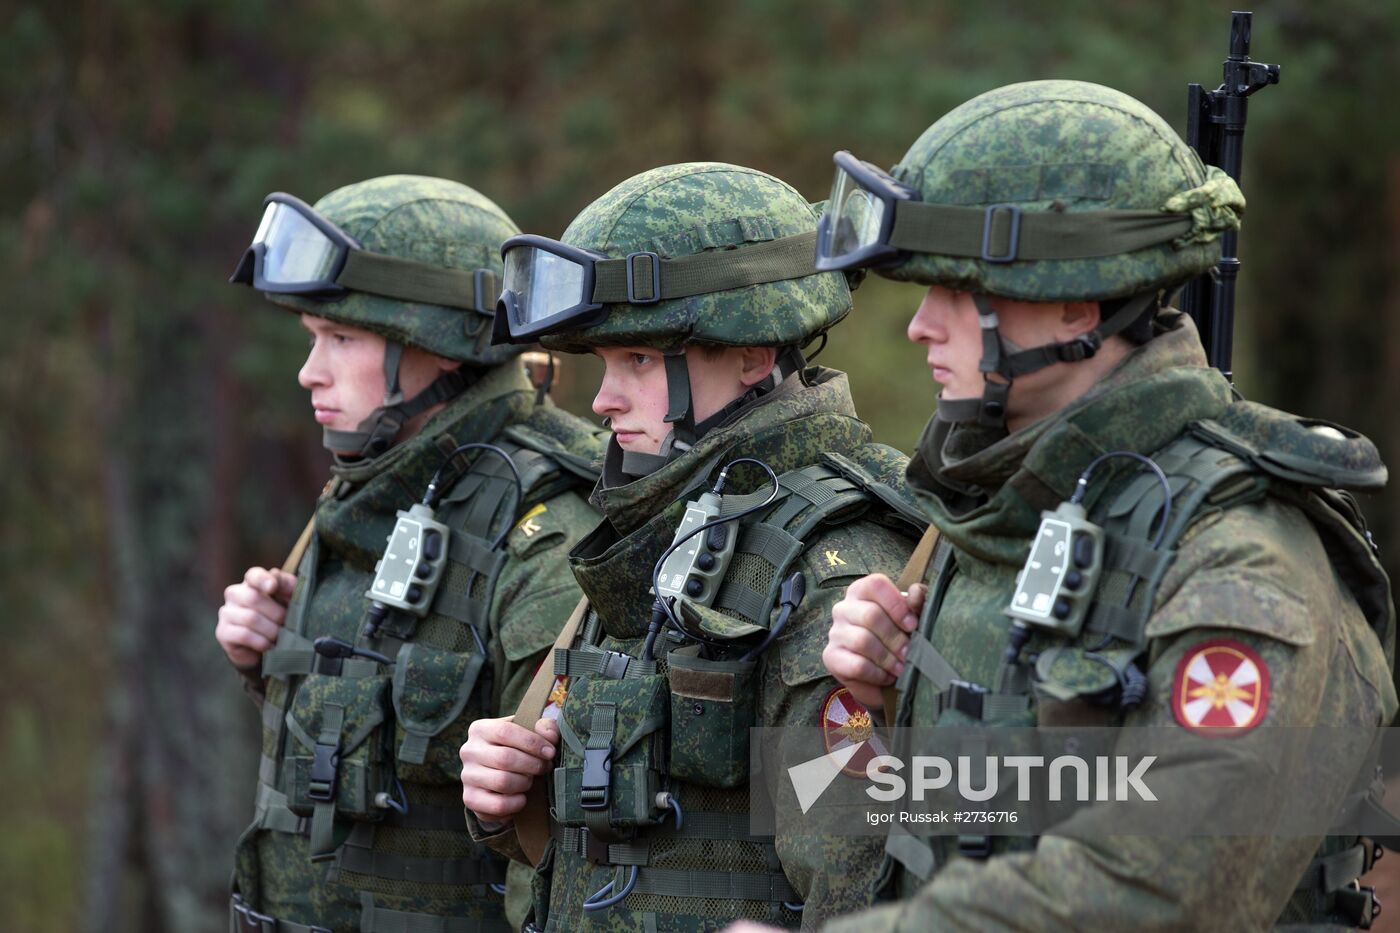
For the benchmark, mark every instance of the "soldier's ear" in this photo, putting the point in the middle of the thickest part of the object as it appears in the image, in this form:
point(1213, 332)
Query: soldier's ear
point(1078, 318)
point(756, 363)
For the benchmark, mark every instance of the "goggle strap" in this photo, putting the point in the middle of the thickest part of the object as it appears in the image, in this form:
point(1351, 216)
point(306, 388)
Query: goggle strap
point(790, 257)
point(1005, 233)
point(407, 280)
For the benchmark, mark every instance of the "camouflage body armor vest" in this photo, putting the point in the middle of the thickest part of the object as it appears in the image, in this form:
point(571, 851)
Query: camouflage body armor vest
point(650, 798)
point(361, 757)
point(1246, 452)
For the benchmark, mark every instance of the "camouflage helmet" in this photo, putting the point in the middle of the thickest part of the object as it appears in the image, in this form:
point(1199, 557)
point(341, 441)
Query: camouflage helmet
point(693, 207)
point(1068, 147)
point(428, 220)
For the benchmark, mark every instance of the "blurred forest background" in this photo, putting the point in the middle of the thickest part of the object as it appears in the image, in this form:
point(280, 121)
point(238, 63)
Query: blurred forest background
point(156, 442)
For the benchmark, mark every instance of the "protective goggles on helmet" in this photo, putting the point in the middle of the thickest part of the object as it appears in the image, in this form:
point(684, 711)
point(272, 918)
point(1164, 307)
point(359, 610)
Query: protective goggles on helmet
point(874, 220)
point(296, 251)
point(551, 287)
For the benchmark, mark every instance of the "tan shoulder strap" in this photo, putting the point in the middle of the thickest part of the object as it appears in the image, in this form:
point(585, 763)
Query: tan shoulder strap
point(532, 823)
point(303, 542)
point(912, 573)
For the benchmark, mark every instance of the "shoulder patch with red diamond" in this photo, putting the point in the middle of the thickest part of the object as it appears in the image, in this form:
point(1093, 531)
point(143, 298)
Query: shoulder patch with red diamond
point(1221, 687)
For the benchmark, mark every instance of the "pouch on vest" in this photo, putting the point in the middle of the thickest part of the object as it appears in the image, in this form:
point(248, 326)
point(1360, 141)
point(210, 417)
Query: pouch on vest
point(610, 774)
point(712, 710)
point(431, 688)
point(337, 753)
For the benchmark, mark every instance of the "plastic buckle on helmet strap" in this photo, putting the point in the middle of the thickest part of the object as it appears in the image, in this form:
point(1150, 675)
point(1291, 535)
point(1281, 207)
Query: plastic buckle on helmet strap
point(652, 296)
point(1013, 233)
point(486, 290)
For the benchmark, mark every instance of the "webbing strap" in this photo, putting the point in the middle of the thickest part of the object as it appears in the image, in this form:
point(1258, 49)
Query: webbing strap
point(303, 542)
point(365, 861)
point(272, 813)
point(656, 279)
point(929, 662)
point(915, 854)
point(532, 823)
point(573, 840)
point(293, 656)
point(323, 791)
point(915, 569)
point(1329, 873)
point(597, 771)
point(407, 280)
point(570, 662)
point(383, 920)
point(742, 886)
point(1003, 233)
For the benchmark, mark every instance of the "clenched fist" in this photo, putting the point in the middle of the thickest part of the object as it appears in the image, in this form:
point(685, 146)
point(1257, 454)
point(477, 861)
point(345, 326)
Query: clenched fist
point(501, 761)
point(869, 638)
point(253, 613)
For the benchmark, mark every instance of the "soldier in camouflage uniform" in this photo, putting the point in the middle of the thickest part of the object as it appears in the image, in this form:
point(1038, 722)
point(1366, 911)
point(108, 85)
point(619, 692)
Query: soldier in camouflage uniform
point(1052, 221)
point(694, 284)
point(357, 823)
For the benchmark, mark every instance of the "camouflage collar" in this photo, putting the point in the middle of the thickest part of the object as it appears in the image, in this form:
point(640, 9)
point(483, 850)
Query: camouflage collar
point(366, 494)
point(787, 428)
point(790, 429)
point(986, 493)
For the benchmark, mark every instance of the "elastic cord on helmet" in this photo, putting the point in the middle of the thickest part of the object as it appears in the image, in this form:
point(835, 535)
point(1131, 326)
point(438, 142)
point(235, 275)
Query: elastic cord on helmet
point(1002, 357)
point(377, 432)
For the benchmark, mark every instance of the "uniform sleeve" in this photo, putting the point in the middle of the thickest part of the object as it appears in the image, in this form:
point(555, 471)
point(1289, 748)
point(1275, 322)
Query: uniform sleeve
point(834, 875)
point(1257, 582)
point(536, 591)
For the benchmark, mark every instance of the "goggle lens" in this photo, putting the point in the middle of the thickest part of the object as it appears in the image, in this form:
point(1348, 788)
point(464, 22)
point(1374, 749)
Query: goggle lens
point(856, 217)
point(295, 252)
point(544, 284)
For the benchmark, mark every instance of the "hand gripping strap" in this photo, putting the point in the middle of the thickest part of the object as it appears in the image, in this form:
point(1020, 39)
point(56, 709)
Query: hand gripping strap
point(532, 823)
point(913, 572)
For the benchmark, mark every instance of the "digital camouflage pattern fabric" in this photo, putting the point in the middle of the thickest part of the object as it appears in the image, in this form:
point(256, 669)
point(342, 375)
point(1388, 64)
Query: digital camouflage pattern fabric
point(791, 428)
point(429, 220)
point(1254, 575)
point(696, 881)
point(397, 851)
point(1010, 146)
point(679, 210)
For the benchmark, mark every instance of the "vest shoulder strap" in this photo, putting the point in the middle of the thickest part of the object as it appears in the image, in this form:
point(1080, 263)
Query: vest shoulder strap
point(1265, 452)
point(833, 492)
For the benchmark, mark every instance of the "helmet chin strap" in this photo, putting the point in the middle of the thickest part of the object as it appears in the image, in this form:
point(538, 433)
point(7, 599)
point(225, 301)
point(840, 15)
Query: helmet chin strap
point(680, 409)
point(377, 433)
point(1007, 360)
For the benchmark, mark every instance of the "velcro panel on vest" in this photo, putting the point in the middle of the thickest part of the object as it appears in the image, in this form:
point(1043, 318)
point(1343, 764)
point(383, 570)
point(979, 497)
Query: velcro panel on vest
point(772, 887)
point(383, 920)
point(363, 860)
